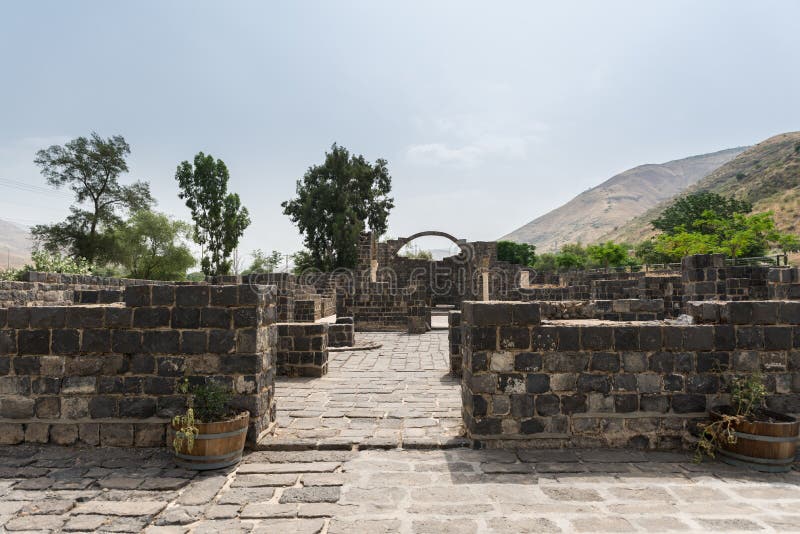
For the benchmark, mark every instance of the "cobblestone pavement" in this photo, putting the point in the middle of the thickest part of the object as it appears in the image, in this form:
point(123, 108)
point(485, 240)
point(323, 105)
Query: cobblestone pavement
point(56, 489)
point(398, 395)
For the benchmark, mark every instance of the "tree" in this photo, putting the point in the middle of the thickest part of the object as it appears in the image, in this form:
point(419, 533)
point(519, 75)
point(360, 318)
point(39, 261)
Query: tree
point(413, 252)
point(546, 262)
point(647, 252)
point(608, 253)
point(150, 246)
point(91, 168)
point(516, 253)
point(219, 217)
point(338, 200)
point(303, 261)
point(685, 211)
point(263, 263)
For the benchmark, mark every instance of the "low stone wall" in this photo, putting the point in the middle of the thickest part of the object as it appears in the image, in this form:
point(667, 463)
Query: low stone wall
point(707, 277)
point(381, 307)
point(303, 349)
point(610, 310)
point(342, 333)
point(784, 283)
point(98, 296)
point(597, 383)
point(307, 311)
point(106, 375)
point(34, 294)
point(454, 341)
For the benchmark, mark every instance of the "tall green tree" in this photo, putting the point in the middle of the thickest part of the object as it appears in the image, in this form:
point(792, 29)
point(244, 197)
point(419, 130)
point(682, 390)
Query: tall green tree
point(91, 168)
point(685, 211)
point(264, 263)
point(219, 217)
point(608, 254)
point(151, 246)
point(516, 253)
point(338, 200)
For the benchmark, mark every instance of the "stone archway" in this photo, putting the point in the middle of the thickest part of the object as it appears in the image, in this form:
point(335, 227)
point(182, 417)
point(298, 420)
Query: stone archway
point(399, 243)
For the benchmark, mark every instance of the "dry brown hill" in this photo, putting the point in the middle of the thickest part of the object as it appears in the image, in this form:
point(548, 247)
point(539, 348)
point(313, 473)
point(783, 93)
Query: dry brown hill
point(767, 174)
point(616, 201)
point(15, 245)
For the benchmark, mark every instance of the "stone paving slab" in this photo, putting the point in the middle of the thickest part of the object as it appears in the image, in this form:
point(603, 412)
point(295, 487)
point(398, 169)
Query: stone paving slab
point(403, 491)
point(399, 395)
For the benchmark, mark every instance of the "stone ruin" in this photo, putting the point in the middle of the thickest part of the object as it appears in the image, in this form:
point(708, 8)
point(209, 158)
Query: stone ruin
point(577, 359)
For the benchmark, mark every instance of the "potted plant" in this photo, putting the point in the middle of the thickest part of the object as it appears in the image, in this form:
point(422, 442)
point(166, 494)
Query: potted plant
point(210, 435)
point(745, 433)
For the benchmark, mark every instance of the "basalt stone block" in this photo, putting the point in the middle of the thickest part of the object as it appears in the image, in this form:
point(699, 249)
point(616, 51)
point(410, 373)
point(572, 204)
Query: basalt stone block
point(245, 317)
point(571, 404)
point(515, 337)
point(171, 366)
point(17, 407)
point(544, 339)
point(650, 338)
point(481, 338)
point(110, 385)
point(772, 362)
point(521, 406)
point(240, 364)
point(66, 341)
point(705, 383)
point(224, 295)
point(547, 405)
point(27, 365)
point(144, 364)
point(634, 362)
point(63, 434)
point(48, 407)
point(766, 312)
point(682, 403)
point(713, 362)
point(626, 338)
point(569, 338)
point(511, 383)
point(83, 317)
point(102, 407)
point(624, 382)
point(19, 317)
point(526, 313)
point(749, 337)
point(193, 342)
point(537, 383)
point(148, 434)
point(740, 312)
point(159, 385)
point(170, 405)
point(527, 361)
point(790, 313)
point(96, 340)
point(116, 434)
point(163, 295)
point(673, 337)
point(5, 365)
point(626, 403)
point(595, 383)
point(480, 407)
point(34, 341)
point(596, 338)
point(192, 296)
point(479, 362)
point(662, 362)
point(784, 403)
point(119, 317)
point(137, 296)
point(724, 337)
point(605, 361)
point(126, 341)
point(673, 383)
point(137, 407)
point(698, 338)
point(151, 317)
point(161, 342)
point(566, 362)
point(487, 313)
point(684, 362)
point(777, 337)
point(48, 317)
point(185, 318)
point(216, 318)
point(221, 341)
point(79, 385)
point(746, 361)
point(487, 426)
point(8, 341)
point(654, 403)
point(532, 426)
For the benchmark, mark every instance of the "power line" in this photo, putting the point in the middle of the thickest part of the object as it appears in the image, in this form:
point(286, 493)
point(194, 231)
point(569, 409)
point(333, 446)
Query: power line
point(32, 188)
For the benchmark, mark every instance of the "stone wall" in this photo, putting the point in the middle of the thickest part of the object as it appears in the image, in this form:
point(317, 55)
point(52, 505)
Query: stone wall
point(382, 307)
point(590, 383)
point(303, 349)
point(784, 283)
point(707, 277)
point(106, 375)
point(342, 333)
point(454, 341)
point(34, 294)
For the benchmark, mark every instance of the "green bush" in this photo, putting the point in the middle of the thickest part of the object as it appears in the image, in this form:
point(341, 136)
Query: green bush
point(516, 253)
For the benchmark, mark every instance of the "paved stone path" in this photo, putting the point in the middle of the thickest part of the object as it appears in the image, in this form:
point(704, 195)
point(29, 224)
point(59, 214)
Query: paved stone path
point(55, 489)
point(398, 395)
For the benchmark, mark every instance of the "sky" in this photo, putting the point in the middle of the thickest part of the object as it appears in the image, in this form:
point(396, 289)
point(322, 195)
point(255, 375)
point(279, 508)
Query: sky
point(489, 113)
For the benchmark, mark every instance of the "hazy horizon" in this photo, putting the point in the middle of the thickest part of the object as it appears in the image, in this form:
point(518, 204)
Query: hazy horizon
point(489, 115)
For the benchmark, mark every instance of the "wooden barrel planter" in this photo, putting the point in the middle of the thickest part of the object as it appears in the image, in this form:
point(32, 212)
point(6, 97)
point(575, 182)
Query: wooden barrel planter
point(216, 446)
point(767, 443)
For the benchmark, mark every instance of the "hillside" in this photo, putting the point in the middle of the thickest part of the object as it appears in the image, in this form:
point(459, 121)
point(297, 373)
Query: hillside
point(616, 201)
point(767, 174)
point(14, 244)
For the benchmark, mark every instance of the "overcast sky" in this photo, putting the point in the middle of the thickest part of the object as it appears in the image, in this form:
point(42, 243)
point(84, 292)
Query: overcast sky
point(489, 113)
